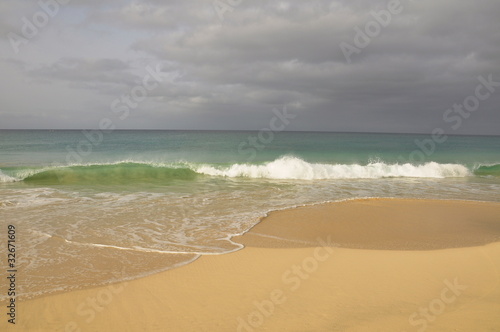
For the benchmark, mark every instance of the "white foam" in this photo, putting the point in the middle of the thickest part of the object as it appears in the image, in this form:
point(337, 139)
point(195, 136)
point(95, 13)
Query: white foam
point(289, 167)
point(142, 249)
point(20, 175)
point(297, 169)
point(6, 178)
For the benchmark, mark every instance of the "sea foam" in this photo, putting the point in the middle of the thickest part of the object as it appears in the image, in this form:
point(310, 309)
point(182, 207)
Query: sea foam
point(6, 178)
point(294, 168)
point(286, 167)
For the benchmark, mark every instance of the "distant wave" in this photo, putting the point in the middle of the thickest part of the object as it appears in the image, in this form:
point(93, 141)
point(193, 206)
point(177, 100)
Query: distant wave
point(287, 167)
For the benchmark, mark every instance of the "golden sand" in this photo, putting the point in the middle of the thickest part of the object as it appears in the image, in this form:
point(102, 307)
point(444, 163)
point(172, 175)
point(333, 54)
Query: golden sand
point(395, 224)
point(292, 276)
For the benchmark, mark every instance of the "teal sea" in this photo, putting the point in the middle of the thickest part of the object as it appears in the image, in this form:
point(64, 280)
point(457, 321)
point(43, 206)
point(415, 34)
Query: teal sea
point(82, 199)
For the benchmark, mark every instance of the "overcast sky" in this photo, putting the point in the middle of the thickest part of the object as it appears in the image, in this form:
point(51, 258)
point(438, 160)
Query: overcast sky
point(228, 64)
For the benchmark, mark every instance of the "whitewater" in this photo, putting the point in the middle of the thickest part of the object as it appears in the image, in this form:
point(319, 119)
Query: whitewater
point(285, 168)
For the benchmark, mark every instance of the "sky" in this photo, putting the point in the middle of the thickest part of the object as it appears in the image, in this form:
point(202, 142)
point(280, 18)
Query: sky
point(404, 66)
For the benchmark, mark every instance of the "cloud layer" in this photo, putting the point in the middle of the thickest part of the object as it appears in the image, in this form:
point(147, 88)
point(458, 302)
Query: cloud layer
point(227, 64)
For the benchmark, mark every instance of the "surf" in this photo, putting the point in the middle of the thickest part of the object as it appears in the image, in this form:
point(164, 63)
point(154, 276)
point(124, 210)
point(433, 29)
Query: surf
point(488, 170)
point(114, 173)
point(283, 168)
point(293, 168)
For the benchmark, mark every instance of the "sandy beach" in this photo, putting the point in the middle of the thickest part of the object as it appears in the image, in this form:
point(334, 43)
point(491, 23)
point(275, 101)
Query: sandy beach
point(360, 265)
point(248, 166)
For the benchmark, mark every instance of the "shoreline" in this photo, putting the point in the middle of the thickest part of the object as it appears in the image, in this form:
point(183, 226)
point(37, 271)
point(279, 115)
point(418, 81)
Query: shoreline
point(297, 278)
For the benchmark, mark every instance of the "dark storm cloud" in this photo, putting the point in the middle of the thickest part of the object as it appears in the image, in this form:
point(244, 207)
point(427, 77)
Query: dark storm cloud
point(229, 69)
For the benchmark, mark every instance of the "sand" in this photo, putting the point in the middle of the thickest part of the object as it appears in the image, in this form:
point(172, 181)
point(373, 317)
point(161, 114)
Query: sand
point(394, 224)
point(363, 265)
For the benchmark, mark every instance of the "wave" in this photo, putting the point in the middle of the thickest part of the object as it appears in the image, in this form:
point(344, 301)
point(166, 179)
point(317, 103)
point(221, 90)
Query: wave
point(297, 169)
point(287, 167)
point(488, 170)
point(7, 178)
point(113, 173)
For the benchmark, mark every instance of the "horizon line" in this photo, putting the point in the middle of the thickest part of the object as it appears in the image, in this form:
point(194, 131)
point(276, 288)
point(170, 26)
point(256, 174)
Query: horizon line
point(252, 130)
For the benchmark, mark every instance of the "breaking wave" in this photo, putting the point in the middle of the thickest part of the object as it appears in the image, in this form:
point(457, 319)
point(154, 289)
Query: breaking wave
point(298, 169)
point(287, 167)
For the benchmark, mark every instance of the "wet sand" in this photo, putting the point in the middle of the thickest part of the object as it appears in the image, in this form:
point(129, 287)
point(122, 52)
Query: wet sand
point(362, 265)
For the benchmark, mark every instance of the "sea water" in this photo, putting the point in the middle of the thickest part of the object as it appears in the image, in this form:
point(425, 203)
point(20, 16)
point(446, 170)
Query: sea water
point(93, 207)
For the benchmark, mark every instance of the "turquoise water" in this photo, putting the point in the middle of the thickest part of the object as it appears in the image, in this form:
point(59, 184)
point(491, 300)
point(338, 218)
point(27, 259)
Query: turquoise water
point(140, 196)
point(42, 148)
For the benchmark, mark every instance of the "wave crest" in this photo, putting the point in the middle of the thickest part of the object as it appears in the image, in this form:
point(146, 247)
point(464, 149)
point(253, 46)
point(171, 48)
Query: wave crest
point(488, 170)
point(297, 169)
point(6, 178)
point(287, 167)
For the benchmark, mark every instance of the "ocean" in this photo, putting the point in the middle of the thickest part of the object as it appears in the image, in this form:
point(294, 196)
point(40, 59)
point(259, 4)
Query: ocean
point(91, 207)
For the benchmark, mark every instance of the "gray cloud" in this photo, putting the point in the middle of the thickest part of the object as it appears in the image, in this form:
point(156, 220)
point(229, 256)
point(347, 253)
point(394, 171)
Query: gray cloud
point(229, 74)
point(93, 73)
